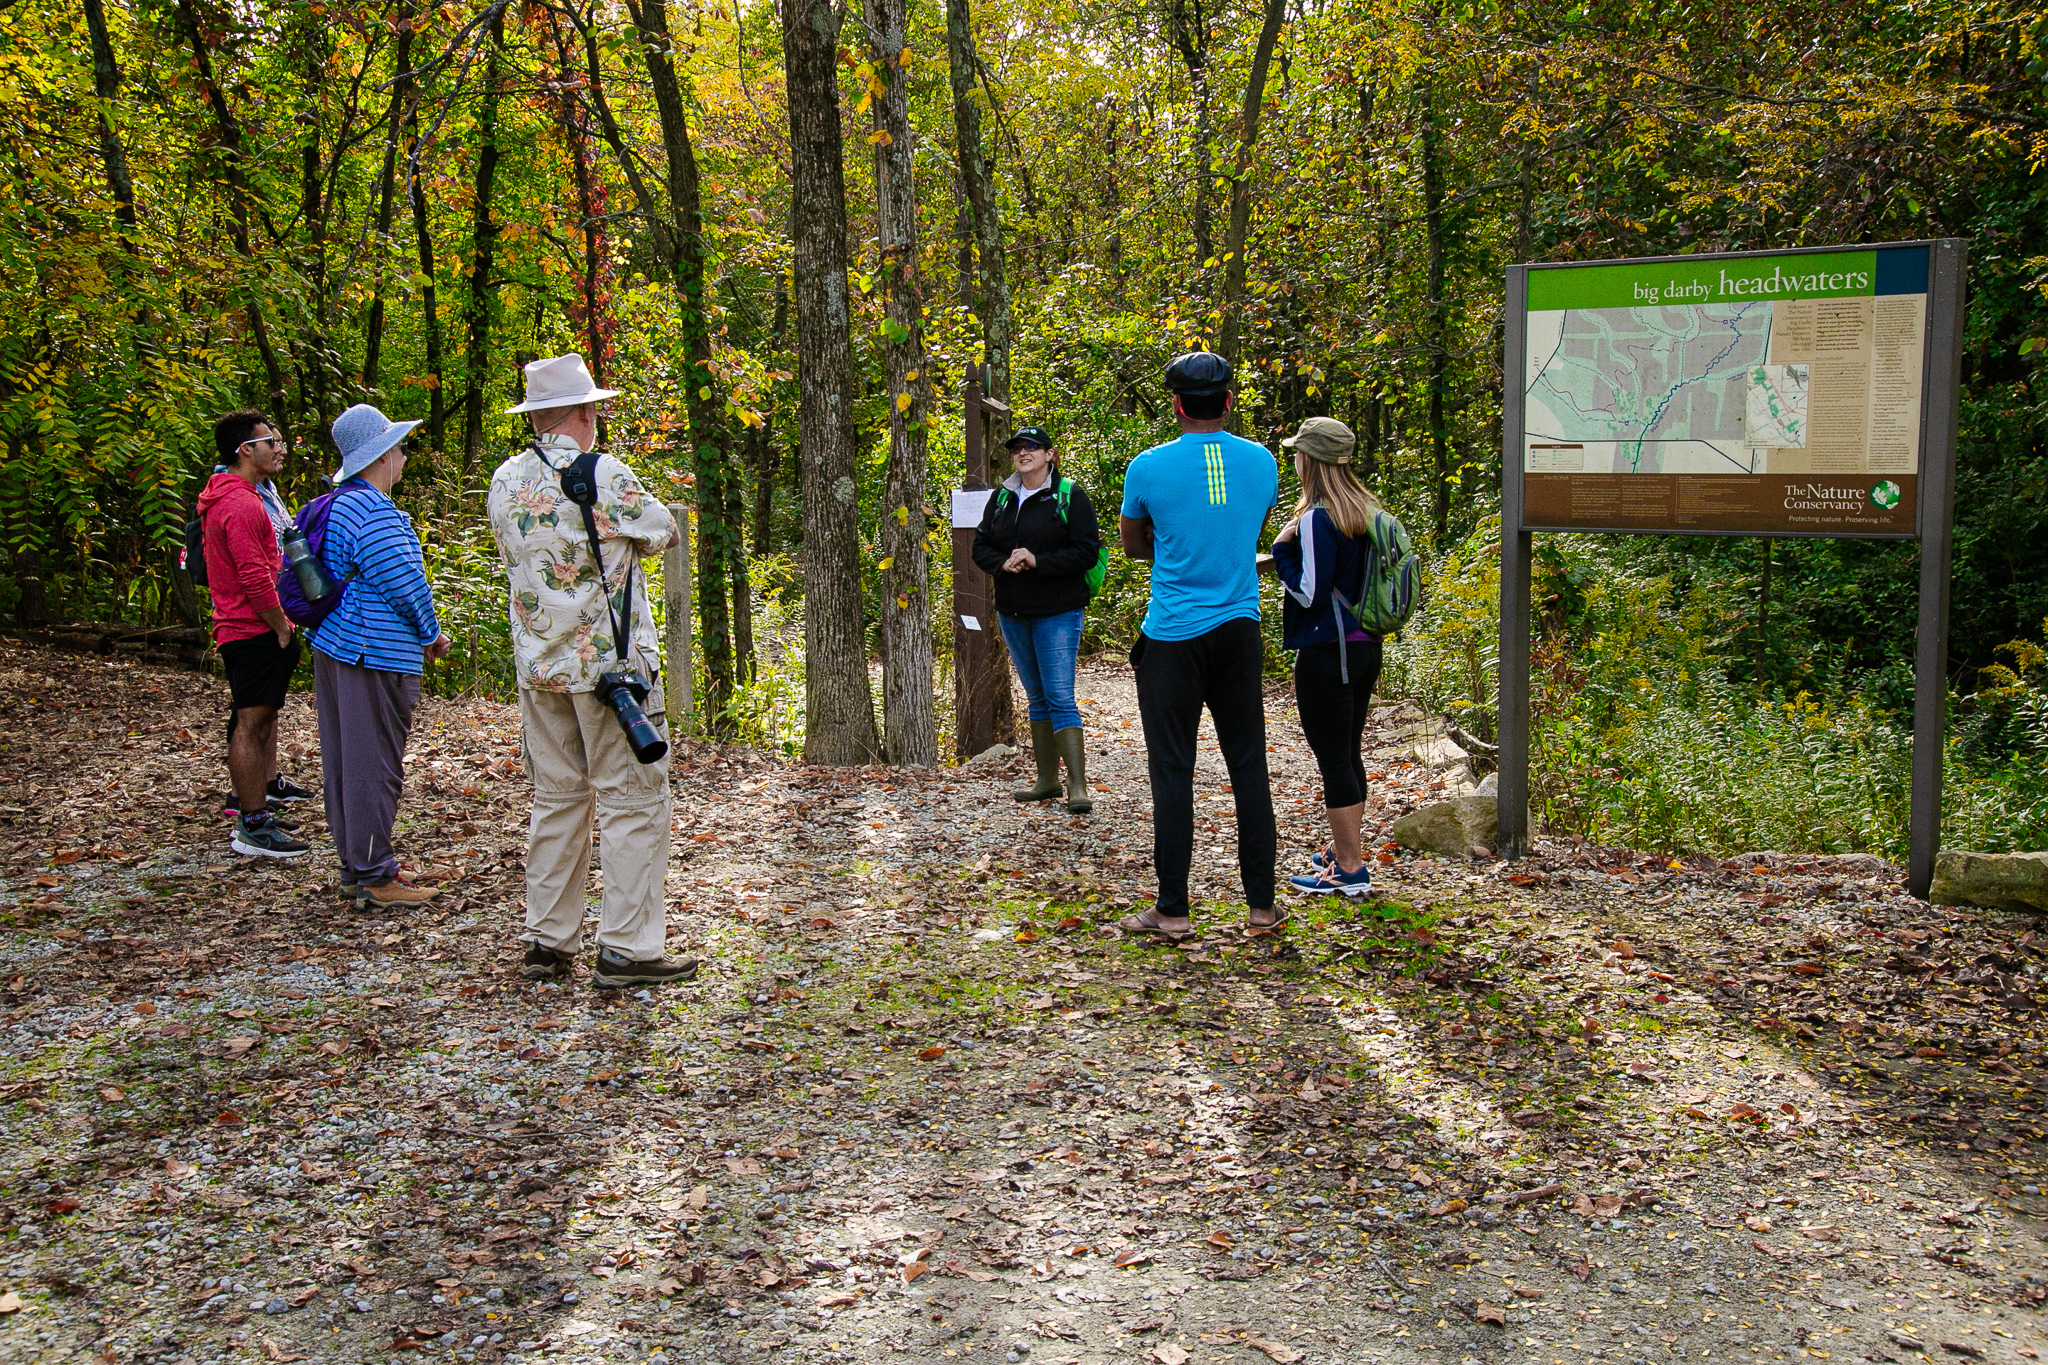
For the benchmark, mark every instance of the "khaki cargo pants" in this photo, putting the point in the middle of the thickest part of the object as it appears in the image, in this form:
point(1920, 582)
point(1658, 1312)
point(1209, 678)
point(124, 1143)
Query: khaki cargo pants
point(577, 756)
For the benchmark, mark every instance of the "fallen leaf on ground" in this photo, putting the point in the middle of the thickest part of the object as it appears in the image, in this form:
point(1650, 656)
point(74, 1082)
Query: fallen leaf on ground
point(1279, 1351)
point(1486, 1312)
point(1167, 1353)
point(10, 1302)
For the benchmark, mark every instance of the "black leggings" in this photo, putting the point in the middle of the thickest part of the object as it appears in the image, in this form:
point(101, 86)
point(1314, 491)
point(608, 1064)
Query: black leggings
point(1333, 715)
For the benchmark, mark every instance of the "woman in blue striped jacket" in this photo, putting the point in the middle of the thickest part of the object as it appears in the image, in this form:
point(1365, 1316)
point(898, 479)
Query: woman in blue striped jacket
point(368, 655)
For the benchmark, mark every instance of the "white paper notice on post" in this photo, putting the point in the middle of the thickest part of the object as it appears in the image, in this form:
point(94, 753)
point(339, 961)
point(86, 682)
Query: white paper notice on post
point(971, 622)
point(967, 507)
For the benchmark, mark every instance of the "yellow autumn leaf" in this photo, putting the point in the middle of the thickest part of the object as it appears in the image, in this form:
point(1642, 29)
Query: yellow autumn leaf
point(902, 515)
point(903, 402)
point(902, 601)
point(880, 137)
point(884, 565)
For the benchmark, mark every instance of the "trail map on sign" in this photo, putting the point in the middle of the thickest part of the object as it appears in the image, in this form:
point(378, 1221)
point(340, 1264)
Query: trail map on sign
point(1665, 386)
point(1775, 407)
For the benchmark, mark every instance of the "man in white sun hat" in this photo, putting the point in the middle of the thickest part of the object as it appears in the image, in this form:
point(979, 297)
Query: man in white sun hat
point(572, 527)
point(368, 653)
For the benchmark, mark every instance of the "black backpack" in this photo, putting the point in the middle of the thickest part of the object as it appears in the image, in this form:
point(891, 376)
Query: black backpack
point(192, 558)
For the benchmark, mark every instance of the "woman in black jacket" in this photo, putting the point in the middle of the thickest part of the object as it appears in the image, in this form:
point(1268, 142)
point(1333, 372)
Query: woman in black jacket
point(1038, 539)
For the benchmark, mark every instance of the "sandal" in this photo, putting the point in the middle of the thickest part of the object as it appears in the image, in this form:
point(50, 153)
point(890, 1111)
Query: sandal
point(1147, 922)
point(1255, 930)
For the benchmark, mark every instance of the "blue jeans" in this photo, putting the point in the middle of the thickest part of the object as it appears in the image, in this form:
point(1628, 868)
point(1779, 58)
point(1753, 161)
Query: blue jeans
point(1044, 649)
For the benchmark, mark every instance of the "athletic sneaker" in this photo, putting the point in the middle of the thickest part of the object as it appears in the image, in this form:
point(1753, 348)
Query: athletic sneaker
point(615, 972)
point(545, 964)
point(1334, 881)
point(258, 836)
point(233, 810)
point(282, 788)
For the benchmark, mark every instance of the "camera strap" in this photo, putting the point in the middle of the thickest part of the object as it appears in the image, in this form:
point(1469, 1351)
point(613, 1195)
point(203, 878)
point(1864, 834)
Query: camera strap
point(579, 485)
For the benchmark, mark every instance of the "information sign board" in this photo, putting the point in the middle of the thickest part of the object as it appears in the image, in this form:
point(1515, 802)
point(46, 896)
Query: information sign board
point(1810, 392)
point(1759, 394)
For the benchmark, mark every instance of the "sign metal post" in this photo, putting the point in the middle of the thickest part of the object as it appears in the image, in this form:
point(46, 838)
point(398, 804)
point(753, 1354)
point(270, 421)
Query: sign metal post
point(1810, 393)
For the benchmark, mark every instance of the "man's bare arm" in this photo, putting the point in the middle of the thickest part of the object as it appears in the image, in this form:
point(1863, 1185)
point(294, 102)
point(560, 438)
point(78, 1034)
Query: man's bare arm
point(1136, 534)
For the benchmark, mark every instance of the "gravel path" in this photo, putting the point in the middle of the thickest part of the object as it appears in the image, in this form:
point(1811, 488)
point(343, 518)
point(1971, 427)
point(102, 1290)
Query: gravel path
point(1593, 1106)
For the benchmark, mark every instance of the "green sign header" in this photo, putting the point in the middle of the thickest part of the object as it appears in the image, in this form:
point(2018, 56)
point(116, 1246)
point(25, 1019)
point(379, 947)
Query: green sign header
point(1744, 279)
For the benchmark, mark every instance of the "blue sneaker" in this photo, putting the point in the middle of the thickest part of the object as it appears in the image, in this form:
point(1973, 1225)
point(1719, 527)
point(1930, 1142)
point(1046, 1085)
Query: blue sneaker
point(1334, 881)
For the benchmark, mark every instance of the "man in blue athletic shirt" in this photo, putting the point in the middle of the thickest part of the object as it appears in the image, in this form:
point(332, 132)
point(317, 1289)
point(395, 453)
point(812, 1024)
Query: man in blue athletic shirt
point(1197, 508)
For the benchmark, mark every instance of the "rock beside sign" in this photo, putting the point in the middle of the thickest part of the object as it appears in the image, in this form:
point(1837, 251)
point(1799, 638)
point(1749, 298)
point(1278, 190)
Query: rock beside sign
point(1455, 829)
point(2002, 881)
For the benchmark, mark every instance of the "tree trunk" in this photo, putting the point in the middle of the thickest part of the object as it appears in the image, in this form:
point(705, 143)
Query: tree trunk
point(839, 709)
point(430, 314)
point(708, 430)
point(1189, 28)
point(978, 178)
point(767, 460)
point(910, 727)
point(1439, 353)
point(318, 371)
point(106, 85)
point(732, 517)
point(229, 133)
point(387, 184)
point(1241, 177)
point(483, 256)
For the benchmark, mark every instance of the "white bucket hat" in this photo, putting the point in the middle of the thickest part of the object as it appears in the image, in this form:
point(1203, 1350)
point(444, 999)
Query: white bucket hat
point(561, 381)
point(361, 435)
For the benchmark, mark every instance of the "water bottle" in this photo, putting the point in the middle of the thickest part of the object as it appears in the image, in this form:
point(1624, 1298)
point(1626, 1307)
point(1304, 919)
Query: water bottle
point(305, 564)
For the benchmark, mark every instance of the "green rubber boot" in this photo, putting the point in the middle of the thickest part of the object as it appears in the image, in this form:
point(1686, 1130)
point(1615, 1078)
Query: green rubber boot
point(1048, 783)
point(1075, 752)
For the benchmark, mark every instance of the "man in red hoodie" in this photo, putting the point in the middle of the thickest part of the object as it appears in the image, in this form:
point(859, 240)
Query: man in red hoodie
point(255, 639)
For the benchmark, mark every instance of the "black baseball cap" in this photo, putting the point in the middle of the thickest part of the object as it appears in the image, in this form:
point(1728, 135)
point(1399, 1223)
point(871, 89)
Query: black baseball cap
point(1199, 372)
point(1030, 436)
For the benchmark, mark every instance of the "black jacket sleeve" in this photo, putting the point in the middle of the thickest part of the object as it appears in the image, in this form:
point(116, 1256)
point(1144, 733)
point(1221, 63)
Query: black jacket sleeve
point(1084, 541)
point(991, 549)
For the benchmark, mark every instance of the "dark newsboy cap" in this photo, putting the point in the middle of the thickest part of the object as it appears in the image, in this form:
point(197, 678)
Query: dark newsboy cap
point(1198, 372)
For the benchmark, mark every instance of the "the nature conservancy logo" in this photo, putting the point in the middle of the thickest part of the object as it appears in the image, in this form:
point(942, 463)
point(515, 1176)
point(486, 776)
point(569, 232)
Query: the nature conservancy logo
point(1820, 497)
point(1884, 493)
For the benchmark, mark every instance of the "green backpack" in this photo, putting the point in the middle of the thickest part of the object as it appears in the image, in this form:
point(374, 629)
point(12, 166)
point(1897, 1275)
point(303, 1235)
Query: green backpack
point(1062, 496)
point(1393, 577)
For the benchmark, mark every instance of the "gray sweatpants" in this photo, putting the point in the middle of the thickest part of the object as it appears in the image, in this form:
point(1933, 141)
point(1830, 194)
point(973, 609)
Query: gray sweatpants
point(365, 717)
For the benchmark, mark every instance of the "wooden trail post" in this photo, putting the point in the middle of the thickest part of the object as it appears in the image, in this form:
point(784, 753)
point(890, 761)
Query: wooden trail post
point(981, 682)
point(679, 677)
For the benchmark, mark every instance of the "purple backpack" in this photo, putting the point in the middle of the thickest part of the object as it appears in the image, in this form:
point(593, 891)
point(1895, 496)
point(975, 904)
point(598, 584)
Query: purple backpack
point(307, 613)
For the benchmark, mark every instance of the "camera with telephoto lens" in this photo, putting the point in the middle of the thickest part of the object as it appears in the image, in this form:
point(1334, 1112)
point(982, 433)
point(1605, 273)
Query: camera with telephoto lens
point(623, 693)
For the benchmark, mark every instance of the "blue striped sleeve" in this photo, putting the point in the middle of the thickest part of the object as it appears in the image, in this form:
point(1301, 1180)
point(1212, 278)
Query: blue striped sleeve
point(387, 553)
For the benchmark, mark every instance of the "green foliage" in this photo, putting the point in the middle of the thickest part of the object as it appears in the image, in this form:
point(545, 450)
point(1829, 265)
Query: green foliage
point(1641, 735)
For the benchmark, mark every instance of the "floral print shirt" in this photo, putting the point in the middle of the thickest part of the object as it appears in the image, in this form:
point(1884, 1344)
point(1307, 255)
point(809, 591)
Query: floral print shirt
point(562, 622)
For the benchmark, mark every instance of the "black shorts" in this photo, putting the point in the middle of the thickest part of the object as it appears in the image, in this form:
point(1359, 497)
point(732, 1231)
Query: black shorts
point(259, 673)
